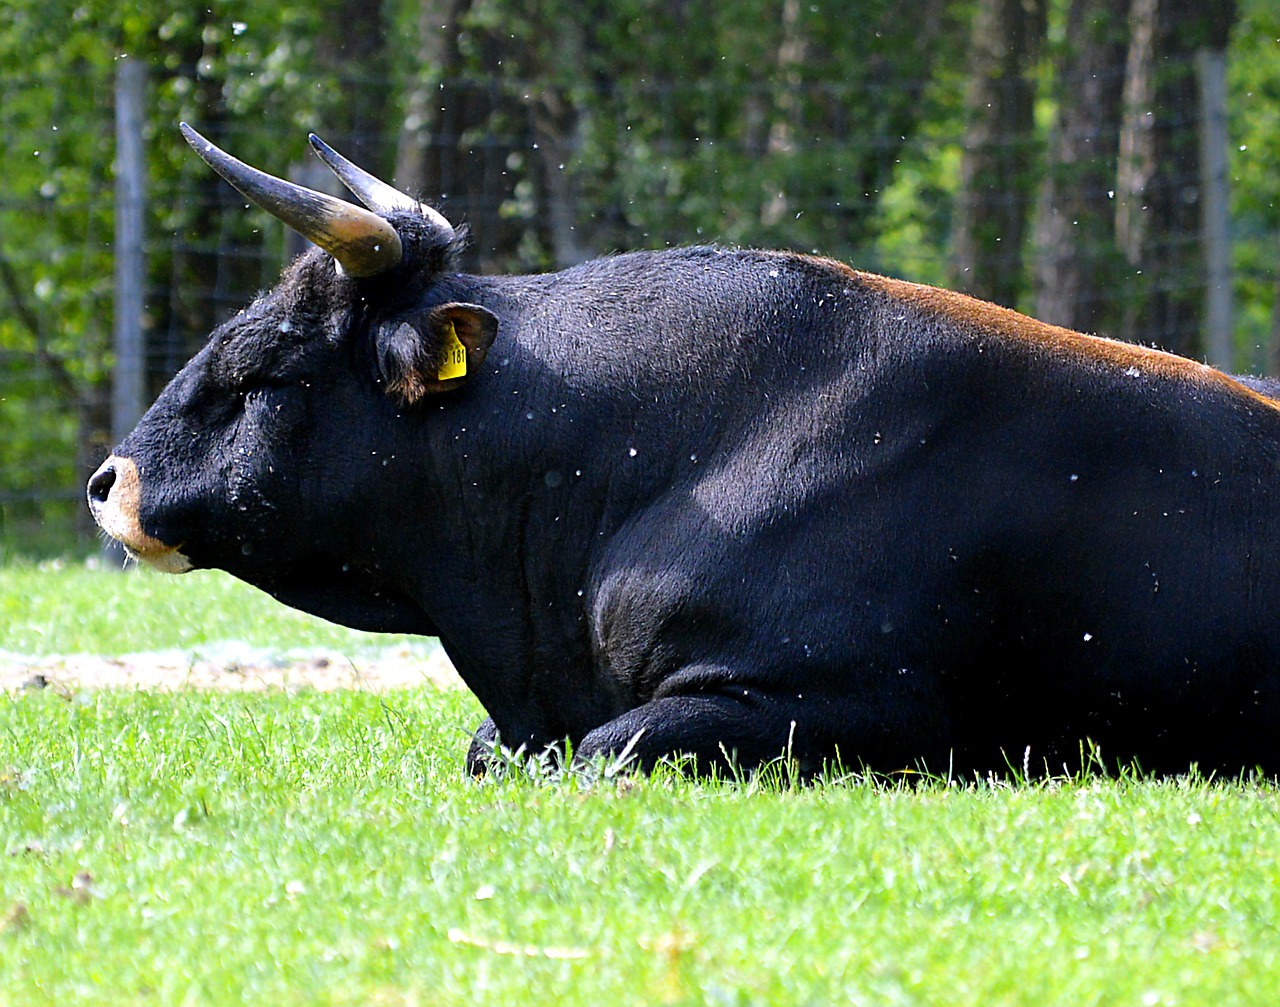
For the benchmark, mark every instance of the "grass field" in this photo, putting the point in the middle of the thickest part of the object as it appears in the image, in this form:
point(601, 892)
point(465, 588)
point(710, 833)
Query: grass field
point(57, 608)
point(212, 848)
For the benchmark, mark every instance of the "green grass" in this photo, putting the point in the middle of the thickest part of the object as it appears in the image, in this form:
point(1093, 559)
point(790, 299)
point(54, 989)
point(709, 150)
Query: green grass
point(208, 848)
point(64, 608)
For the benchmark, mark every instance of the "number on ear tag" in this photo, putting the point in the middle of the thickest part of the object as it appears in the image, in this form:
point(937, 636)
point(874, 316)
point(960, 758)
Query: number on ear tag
point(455, 357)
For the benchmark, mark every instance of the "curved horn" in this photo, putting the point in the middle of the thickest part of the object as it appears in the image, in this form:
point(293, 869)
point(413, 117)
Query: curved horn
point(362, 242)
point(374, 193)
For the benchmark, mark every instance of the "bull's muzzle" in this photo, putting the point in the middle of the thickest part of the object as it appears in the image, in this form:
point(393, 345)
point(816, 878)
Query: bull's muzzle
point(115, 495)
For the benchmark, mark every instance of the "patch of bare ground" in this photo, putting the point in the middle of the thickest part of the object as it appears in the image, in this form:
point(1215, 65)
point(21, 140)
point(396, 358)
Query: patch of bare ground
point(232, 667)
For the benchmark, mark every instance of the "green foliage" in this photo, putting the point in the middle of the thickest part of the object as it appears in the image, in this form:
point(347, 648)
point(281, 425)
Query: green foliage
point(56, 218)
point(730, 123)
point(642, 124)
point(55, 262)
point(1254, 81)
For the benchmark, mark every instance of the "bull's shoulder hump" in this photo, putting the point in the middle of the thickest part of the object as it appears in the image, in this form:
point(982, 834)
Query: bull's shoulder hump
point(1053, 341)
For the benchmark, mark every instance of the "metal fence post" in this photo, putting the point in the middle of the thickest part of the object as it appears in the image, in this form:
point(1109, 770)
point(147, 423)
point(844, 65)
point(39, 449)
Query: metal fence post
point(129, 379)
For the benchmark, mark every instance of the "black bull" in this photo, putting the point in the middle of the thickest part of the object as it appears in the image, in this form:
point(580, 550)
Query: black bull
point(731, 504)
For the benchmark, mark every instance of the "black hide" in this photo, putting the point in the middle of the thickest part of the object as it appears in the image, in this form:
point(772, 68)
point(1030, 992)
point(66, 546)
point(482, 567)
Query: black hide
point(738, 504)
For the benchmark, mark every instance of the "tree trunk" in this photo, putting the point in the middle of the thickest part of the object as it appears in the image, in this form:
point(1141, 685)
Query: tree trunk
point(555, 125)
point(996, 172)
point(1076, 259)
point(1158, 187)
point(353, 49)
point(454, 148)
point(437, 26)
point(561, 42)
point(206, 276)
point(1211, 67)
point(790, 56)
point(1136, 165)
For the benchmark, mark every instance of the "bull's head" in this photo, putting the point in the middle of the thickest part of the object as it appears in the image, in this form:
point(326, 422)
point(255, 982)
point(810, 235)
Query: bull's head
point(312, 376)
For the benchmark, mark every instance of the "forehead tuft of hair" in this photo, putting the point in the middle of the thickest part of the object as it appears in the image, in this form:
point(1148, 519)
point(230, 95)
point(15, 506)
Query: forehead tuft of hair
point(311, 283)
point(425, 248)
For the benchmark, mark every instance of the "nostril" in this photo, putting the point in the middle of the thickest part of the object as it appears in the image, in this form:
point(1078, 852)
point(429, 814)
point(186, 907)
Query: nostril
point(101, 483)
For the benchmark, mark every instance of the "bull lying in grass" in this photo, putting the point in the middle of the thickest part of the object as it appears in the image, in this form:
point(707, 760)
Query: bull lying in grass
point(728, 504)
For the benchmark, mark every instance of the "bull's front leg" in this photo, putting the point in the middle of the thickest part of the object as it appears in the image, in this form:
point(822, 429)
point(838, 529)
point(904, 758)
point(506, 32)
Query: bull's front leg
point(491, 750)
point(746, 728)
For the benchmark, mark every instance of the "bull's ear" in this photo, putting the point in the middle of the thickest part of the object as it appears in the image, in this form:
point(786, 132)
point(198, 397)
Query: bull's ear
point(434, 353)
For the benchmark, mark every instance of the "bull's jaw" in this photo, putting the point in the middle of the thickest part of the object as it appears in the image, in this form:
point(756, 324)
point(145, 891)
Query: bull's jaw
point(115, 494)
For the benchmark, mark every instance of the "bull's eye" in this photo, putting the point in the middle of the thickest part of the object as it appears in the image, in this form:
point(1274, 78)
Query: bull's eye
point(273, 407)
point(256, 388)
point(263, 394)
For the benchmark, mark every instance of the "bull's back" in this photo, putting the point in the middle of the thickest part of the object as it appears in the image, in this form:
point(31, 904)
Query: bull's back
point(846, 485)
point(1090, 547)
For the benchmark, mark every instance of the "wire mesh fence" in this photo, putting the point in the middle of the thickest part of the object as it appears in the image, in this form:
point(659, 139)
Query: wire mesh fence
point(631, 164)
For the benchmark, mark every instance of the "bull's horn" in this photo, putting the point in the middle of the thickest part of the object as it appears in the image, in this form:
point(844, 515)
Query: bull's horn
point(373, 192)
point(362, 242)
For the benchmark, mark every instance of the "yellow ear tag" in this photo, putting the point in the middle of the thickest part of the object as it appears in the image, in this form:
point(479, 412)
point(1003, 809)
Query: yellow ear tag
point(455, 357)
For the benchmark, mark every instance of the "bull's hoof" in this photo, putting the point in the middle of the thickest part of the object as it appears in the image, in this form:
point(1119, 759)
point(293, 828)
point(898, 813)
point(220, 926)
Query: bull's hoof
point(484, 755)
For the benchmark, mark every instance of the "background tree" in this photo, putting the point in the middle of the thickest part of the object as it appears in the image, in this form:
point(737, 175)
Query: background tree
point(1158, 187)
point(559, 131)
point(998, 170)
point(1254, 89)
point(1075, 258)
